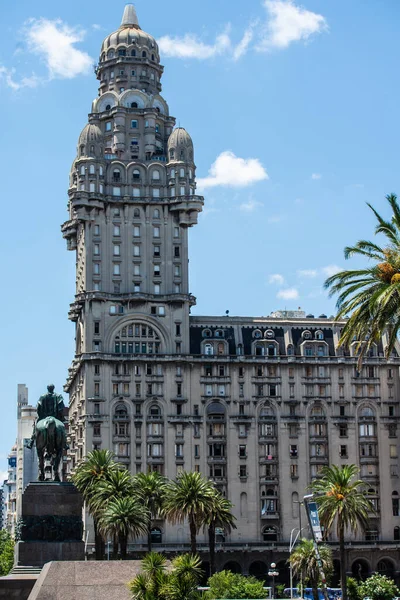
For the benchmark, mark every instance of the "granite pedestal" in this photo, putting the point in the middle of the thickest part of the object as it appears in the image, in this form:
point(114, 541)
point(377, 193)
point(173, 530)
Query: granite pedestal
point(50, 527)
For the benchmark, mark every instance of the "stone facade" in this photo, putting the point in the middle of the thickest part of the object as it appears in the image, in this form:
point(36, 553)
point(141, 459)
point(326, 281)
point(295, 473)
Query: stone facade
point(259, 405)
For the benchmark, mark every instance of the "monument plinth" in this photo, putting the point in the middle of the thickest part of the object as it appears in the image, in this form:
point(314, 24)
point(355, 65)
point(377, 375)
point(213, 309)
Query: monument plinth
point(50, 527)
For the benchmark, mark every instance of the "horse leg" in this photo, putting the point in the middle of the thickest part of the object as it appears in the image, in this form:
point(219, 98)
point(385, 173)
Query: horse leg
point(40, 453)
point(56, 466)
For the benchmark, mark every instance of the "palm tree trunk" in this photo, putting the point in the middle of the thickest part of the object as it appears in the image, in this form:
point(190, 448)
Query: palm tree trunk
point(123, 543)
point(149, 538)
point(193, 531)
point(342, 553)
point(98, 542)
point(315, 590)
point(115, 547)
point(211, 543)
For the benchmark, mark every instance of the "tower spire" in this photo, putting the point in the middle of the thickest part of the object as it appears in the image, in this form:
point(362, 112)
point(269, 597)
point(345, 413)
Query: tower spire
point(129, 18)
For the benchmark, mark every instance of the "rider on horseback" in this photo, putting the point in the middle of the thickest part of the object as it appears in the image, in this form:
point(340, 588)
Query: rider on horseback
point(49, 431)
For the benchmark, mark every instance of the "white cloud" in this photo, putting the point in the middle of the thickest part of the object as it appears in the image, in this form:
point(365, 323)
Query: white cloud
point(330, 270)
point(244, 43)
point(316, 176)
point(8, 75)
point(233, 171)
point(288, 294)
point(54, 41)
point(189, 46)
point(287, 23)
point(307, 273)
point(276, 278)
point(250, 206)
point(97, 27)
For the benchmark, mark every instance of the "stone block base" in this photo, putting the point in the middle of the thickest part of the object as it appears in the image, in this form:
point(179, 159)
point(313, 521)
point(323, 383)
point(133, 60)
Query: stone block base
point(37, 554)
point(17, 587)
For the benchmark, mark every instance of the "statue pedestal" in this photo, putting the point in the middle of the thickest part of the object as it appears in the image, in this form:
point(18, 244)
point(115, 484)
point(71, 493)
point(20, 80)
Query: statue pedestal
point(50, 528)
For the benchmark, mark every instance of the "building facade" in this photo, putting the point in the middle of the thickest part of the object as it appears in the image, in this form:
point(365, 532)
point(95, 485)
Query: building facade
point(27, 467)
point(259, 405)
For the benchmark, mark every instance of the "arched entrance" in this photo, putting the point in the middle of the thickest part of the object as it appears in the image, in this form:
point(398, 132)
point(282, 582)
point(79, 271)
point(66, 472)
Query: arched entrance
point(259, 569)
point(360, 569)
point(335, 579)
point(385, 567)
point(233, 567)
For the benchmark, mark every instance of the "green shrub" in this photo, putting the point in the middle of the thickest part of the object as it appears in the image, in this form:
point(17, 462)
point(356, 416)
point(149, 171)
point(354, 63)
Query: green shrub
point(378, 587)
point(231, 585)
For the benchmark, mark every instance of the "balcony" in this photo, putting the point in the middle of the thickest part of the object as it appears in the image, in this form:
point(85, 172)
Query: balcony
point(270, 516)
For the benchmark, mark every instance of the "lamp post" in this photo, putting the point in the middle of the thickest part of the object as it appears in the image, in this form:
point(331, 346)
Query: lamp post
point(292, 544)
point(273, 573)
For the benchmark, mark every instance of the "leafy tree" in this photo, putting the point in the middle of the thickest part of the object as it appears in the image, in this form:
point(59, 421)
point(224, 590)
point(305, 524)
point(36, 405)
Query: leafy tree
point(191, 497)
point(353, 589)
point(305, 563)
point(123, 517)
point(226, 584)
point(96, 467)
point(151, 489)
point(371, 296)
point(343, 499)
point(379, 587)
point(219, 515)
point(6, 553)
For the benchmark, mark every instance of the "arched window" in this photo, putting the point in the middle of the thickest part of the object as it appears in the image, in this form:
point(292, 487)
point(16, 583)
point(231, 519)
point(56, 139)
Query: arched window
point(133, 53)
point(121, 412)
point(290, 350)
point(82, 170)
point(152, 57)
point(239, 350)
point(155, 411)
point(91, 170)
point(110, 54)
point(243, 505)
point(134, 104)
point(295, 505)
point(116, 176)
point(270, 535)
point(259, 349)
point(396, 534)
point(156, 174)
point(156, 213)
point(319, 335)
point(172, 154)
point(395, 504)
point(137, 338)
point(221, 348)
point(206, 333)
point(215, 409)
point(321, 351)
point(317, 411)
point(108, 107)
point(257, 334)
point(144, 54)
point(367, 411)
point(208, 349)
point(269, 334)
point(136, 175)
point(121, 52)
point(307, 335)
point(136, 213)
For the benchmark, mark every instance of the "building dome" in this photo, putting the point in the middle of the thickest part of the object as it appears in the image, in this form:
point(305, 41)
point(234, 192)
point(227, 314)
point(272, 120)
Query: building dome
point(90, 141)
point(129, 34)
point(180, 145)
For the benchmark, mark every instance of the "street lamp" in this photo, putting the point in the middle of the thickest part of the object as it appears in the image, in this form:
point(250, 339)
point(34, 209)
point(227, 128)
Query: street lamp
point(292, 544)
point(273, 572)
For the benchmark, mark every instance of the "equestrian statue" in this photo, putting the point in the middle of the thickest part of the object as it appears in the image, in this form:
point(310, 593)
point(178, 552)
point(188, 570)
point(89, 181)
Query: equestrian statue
point(49, 432)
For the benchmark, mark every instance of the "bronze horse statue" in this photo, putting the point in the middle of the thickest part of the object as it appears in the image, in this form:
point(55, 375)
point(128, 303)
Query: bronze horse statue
point(49, 432)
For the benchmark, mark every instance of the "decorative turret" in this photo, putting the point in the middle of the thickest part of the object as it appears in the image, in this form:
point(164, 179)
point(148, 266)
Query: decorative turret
point(180, 146)
point(91, 141)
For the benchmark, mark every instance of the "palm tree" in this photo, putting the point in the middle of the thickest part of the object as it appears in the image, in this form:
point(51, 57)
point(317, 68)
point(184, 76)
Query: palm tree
point(220, 515)
point(185, 576)
point(147, 585)
point(371, 296)
point(342, 498)
point(119, 484)
point(305, 563)
point(151, 489)
point(191, 497)
point(123, 517)
point(96, 467)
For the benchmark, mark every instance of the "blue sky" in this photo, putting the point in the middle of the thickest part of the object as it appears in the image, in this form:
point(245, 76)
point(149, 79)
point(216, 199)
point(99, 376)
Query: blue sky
point(293, 109)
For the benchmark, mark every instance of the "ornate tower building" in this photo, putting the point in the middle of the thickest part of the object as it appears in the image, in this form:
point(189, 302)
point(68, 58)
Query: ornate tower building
point(258, 404)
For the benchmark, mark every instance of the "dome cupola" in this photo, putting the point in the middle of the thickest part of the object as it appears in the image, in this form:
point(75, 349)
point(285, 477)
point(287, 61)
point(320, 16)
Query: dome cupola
point(90, 141)
point(180, 146)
